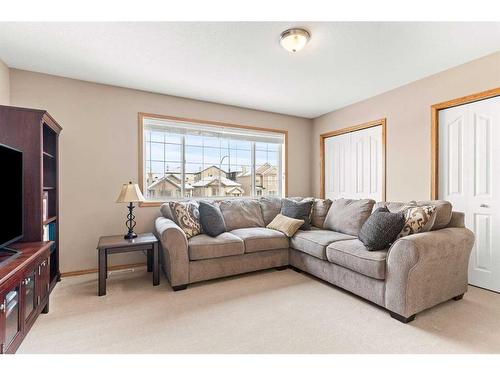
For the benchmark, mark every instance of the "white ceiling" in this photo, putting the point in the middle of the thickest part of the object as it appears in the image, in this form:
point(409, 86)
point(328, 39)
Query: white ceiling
point(242, 63)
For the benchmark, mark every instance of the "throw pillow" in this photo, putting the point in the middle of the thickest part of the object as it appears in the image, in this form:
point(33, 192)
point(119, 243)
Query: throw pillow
point(417, 219)
point(381, 228)
point(298, 210)
point(187, 217)
point(442, 216)
point(285, 224)
point(348, 215)
point(211, 219)
point(319, 211)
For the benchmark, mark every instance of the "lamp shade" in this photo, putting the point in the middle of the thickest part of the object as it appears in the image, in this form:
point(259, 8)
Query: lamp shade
point(130, 193)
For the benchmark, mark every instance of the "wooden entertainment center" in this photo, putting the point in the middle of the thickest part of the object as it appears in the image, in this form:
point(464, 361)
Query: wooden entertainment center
point(26, 281)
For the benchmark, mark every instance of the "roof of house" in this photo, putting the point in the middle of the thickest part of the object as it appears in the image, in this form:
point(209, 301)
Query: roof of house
point(171, 179)
point(264, 169)
point(211, 166)
point(209, 180)
point(236, 188)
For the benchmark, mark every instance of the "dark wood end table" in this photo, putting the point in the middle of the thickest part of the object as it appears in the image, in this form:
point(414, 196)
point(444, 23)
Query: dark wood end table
point(117, 244)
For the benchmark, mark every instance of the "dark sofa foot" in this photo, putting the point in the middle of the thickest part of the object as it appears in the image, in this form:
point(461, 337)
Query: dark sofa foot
point(295, 269)
point(179, 287)
point(401, 318)
point(458, 298)
point(281, 268)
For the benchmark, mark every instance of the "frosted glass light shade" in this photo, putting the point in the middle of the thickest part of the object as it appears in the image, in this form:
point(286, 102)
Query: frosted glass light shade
point(293, 40)
point(130, 193)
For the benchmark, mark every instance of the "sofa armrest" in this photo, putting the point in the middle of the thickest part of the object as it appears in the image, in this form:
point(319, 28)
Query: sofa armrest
point(174, 246)
point(428, 268)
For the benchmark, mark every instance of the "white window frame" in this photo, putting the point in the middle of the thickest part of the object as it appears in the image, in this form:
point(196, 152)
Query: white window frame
point(282, 154)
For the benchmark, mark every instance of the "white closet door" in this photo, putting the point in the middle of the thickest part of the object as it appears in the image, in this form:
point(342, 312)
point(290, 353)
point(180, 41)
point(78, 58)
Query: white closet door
point(469, 177)
point(337, 166)
point(367, 166)
point(354, 165)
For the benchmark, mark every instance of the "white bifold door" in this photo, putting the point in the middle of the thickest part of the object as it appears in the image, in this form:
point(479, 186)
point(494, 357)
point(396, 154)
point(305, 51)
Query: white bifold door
point(354, 165)
point(469, 177)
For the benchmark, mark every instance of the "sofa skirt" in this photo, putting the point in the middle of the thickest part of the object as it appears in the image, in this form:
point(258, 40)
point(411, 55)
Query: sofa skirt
point(207, 269)
point(361, 285)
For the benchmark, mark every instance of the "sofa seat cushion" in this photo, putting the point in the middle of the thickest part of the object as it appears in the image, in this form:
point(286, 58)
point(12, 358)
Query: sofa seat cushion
point(206, 247)
point(352, 254)
point(315, 241)
point(259, 239)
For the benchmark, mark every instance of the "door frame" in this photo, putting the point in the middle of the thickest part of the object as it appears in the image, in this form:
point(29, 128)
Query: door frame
point(435, 108)
point(366, 125)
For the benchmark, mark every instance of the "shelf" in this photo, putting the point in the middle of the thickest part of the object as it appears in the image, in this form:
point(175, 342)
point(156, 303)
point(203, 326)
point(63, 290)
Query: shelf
point(50, 220)
point(49, 188)
point(48, 155)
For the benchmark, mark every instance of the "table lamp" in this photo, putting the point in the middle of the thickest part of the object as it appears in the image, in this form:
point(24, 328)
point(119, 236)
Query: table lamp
point(130, 193)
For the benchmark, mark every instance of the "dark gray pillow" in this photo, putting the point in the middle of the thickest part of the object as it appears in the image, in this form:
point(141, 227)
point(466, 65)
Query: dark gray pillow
point(211, 219)
point(298, 210)
point(381, 229)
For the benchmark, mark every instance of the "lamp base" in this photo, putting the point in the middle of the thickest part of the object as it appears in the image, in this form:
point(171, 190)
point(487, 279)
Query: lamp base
point(130, 235)
point(130, 223)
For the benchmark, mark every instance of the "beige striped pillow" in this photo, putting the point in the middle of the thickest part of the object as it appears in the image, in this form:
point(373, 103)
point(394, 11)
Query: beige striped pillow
point(285, 224)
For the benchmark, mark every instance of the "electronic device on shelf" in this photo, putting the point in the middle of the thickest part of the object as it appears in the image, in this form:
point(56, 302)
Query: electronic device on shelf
point(7, 255)
point(11, 189)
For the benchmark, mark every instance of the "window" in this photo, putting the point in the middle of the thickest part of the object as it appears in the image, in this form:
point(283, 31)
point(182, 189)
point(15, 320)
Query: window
point(194, 159)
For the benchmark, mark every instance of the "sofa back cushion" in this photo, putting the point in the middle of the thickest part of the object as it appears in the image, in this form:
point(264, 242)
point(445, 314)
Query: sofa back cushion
point(348, 215)
point(241, 213)
point(270, 207)
point(442, 216)
point(319, 212)
point(166, 212)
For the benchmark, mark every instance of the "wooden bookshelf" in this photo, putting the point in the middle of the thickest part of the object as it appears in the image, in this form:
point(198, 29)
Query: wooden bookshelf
point(49, 220)
point(36, 134)
point(46, 154)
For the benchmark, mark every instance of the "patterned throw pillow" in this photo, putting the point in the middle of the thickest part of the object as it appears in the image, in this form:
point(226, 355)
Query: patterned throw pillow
point(417, 219)
point(187, 216)
point(285, 224)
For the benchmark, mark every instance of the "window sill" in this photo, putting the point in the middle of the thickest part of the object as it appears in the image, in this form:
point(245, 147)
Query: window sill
point(159, 203)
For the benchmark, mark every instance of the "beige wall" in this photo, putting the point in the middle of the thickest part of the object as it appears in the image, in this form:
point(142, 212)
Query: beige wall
point(99, 142)
point(4, 84)
point(407, 110)
point(99, 152)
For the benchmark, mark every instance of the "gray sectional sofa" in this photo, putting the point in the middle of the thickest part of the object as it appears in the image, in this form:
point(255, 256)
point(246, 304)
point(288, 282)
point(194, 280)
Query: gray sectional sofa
point(415, 273)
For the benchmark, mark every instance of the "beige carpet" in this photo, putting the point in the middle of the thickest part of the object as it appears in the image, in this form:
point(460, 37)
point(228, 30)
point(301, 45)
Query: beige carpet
point(263, 312)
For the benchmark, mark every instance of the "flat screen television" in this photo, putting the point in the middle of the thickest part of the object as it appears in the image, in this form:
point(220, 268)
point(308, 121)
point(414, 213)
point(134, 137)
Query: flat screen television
point(11, 191)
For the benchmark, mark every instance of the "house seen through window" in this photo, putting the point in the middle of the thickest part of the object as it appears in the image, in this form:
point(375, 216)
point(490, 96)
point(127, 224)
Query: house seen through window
point(182, 159)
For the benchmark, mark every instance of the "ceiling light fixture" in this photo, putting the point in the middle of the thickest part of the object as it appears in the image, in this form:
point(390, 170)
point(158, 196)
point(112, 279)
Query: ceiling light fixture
point(293, 40)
